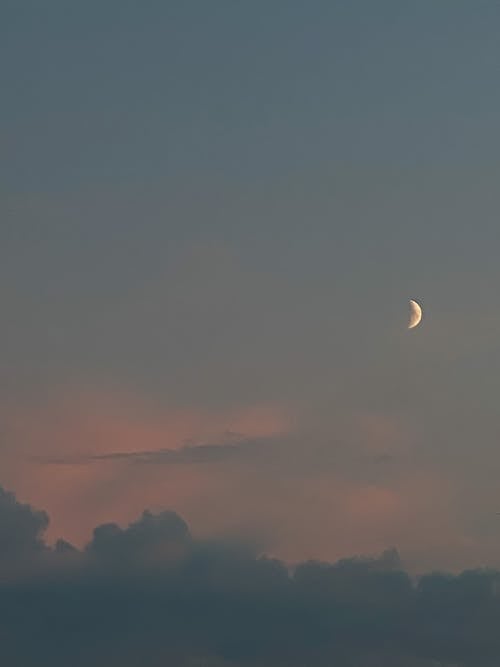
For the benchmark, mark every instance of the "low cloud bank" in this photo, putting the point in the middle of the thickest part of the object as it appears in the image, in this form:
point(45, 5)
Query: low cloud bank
point(153, 595)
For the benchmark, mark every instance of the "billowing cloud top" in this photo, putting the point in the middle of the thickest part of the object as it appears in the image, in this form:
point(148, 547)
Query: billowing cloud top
point(151, 594)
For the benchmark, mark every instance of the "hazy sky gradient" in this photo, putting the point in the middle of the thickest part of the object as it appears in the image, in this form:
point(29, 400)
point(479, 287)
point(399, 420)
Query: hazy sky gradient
point(212, 218)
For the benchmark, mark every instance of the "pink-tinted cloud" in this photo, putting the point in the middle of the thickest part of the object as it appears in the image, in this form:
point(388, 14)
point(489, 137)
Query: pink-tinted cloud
point(298, 497)
point(82, 424)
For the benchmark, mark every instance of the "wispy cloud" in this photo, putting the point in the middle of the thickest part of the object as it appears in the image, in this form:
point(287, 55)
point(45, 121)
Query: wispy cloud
point(233, 447)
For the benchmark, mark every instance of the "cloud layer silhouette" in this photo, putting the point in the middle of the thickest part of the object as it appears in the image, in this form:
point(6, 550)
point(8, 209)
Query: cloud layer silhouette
point(152, 594)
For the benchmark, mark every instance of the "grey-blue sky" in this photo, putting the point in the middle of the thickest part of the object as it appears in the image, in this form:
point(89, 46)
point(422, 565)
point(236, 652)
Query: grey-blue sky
point(214, 204)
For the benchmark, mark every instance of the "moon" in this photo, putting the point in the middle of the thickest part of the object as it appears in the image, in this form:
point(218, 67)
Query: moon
point(415, 314)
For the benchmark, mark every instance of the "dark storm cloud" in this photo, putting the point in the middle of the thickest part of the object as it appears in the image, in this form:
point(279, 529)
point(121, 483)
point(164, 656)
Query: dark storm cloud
point(151, 594)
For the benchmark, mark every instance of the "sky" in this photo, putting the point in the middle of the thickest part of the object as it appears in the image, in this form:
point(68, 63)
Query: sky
point(213, 216)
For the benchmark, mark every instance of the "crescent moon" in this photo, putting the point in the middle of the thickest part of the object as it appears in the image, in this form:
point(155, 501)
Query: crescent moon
point(415, 314)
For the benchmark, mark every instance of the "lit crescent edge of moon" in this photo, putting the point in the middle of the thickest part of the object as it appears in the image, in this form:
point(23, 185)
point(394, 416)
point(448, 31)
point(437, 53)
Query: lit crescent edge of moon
point(415, 315)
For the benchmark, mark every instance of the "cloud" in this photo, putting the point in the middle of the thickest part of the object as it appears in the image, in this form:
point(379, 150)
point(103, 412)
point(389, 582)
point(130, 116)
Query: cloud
point(152, 594)
point(104, 441)
point(149, 540)
point(21, 530)
point(236, 445)
point(301, 489)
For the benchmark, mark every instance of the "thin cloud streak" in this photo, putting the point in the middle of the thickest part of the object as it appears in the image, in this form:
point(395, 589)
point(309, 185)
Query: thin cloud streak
point(188, 454)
